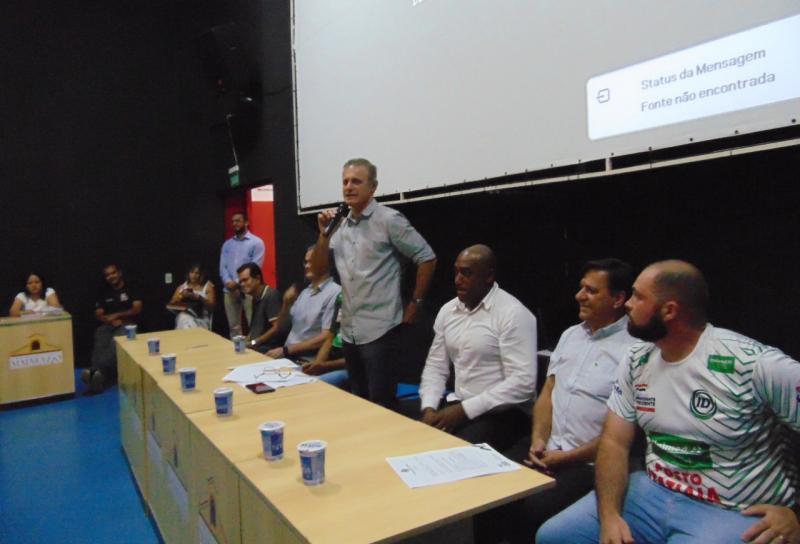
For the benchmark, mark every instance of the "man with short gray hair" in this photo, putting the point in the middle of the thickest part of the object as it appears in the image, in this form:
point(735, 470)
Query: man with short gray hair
point(366, 246)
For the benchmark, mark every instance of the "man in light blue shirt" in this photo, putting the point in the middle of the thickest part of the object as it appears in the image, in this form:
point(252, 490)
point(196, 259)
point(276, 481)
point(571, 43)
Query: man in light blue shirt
point(367, 246)
point(244, 247)
point(569, 413)
point(311, 314)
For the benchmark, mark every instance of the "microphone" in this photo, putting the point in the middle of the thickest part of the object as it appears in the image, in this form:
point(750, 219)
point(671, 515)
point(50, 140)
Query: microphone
point(341, 211)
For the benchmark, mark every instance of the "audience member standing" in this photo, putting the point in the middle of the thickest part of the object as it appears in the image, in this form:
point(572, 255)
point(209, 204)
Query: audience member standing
point(243, 247)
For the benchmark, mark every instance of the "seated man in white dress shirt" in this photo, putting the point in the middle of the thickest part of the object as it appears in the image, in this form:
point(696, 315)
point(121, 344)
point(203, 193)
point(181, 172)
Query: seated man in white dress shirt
point(490, 338)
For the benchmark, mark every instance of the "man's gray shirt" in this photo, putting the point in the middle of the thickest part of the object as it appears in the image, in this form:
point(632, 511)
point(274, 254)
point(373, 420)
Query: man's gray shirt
point(367, 254)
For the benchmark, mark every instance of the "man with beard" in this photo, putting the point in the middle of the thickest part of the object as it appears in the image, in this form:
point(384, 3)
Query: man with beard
point(712, 403)
point(118, 304)
point(490, 338)
point(243, 247)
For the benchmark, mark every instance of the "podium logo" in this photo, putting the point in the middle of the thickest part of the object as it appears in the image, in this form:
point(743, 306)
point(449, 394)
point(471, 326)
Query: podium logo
point(36, 352)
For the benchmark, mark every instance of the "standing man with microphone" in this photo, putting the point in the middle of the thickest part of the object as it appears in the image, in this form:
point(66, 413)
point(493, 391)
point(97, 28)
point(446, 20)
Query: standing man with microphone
point(367, 244)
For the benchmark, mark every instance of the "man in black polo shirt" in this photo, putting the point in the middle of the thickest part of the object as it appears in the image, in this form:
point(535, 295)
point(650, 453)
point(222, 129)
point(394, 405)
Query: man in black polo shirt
point(266, 330)
point(118, 304)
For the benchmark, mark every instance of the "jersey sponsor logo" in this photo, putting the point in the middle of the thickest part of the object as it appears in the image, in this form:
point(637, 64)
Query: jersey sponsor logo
point(645, 403)
point(722, 363)
point(702, 404)
point(681, 452)
point(690, 483)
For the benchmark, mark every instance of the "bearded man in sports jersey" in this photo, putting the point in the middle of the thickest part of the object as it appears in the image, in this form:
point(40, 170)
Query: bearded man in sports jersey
point(715, 406)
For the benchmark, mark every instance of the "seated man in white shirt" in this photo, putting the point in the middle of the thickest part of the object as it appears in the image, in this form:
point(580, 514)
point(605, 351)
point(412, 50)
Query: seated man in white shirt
point(490, 338)
point(569, 413)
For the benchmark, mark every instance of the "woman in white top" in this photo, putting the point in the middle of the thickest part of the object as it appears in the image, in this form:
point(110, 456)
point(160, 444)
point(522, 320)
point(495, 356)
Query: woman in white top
point(34, 299)
point(198, 296)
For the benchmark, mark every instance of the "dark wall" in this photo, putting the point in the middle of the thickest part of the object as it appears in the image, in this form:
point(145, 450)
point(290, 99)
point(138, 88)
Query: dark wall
point(116, 148)
point(265, 33)
point(110, 156)
point(735, 218)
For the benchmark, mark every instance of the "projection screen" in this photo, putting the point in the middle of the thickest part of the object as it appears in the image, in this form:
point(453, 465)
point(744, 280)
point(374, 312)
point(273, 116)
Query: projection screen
point(441, 92)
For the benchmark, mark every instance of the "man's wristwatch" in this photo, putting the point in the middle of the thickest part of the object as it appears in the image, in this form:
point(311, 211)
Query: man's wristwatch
point(252, 343)
point(418, 301)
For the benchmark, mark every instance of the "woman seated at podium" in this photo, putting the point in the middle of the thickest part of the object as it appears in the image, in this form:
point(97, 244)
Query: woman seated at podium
point(194, 300)
point(35, 298)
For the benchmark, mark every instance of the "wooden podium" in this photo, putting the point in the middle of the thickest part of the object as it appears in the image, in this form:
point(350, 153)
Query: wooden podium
point(37, 357)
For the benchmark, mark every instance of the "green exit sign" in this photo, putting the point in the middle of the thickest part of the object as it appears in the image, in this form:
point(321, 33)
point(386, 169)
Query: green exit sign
point(233, 175)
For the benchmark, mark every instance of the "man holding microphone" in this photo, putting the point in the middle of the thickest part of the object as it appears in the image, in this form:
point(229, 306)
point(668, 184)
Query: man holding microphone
point(367, 245)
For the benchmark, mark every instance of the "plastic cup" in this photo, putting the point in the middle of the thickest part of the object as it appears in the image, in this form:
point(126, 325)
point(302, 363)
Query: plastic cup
point(168, 361)
point(223, 400)
point(188, 378)
point(239, 344)
point(272, 439)
point(312, 461)
point(130, 332)
point(153, 346)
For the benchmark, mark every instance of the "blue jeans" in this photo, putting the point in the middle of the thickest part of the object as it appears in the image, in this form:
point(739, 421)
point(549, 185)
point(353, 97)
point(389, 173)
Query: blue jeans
point(338, 378)
point(654, 514)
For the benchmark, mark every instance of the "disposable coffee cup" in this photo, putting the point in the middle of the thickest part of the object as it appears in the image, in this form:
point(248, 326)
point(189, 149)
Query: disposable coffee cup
point(239, 344)
point(272, 439)
point(223, 401)
point(168, 361)
point(130, 332)
point(188, 379)
point(153, 346)
point(312, 461)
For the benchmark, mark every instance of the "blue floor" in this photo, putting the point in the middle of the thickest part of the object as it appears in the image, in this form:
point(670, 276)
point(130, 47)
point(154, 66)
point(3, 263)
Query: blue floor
point(64, 478)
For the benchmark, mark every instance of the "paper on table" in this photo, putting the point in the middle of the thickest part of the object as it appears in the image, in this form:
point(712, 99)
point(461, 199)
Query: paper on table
point(275, 373)
point(450, 465)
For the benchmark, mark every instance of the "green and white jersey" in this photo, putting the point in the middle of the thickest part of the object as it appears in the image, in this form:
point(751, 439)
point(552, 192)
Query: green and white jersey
point(713, 420)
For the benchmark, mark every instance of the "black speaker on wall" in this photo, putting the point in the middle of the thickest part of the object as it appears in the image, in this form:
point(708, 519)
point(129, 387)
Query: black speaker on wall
point(223, 58)
point(232, 76)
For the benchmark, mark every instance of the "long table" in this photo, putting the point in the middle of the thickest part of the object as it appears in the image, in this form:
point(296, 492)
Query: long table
point(37, 357)
point(205, 480)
